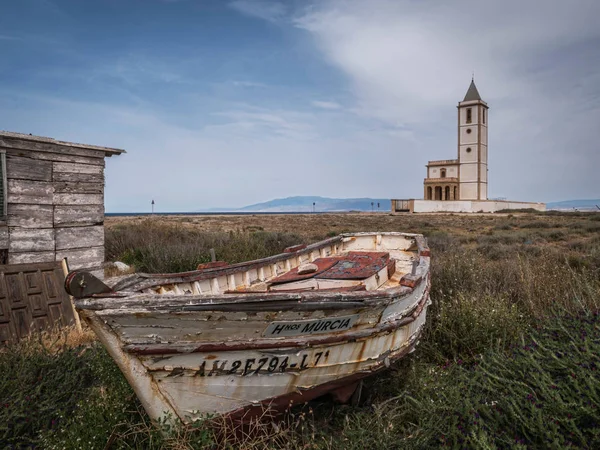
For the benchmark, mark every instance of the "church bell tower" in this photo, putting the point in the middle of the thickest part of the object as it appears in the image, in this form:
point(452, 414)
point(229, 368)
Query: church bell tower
point(472, 146)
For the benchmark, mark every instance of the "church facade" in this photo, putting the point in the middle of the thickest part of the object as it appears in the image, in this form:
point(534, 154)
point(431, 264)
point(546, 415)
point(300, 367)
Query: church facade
point(464, 178)
point(461, 184)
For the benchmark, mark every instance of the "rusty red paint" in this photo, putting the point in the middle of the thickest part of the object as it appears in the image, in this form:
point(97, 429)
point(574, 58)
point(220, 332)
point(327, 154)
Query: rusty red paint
point(356, 266)
point(410, 281)
point(425, 252)
point(352, 335)
point(322, 264)
point(212, 265)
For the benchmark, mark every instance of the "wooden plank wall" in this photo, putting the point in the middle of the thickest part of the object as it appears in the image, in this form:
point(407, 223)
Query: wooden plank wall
point(55, 203)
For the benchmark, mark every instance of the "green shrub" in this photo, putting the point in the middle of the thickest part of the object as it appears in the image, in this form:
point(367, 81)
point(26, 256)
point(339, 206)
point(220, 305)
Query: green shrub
point(542, 393)
point(441, 242)
point(504, 226)
point(496, 252)
point(508, 238)
point(520, 210)
point(60, 397)
point(55, 396)
point(536, 224)
point(465, 326)
point(40, 387)
point(108, 412)
point(592, 227)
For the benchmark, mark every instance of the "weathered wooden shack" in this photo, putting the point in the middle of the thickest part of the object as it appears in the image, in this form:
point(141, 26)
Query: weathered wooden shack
point(52, 201)
point(51, 208)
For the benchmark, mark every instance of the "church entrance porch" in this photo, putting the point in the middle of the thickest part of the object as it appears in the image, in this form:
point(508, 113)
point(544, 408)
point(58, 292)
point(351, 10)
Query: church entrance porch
point(441, 189)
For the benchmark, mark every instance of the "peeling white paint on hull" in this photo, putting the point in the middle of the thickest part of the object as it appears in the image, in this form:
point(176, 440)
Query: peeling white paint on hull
point(191, 355)
point(195, 386)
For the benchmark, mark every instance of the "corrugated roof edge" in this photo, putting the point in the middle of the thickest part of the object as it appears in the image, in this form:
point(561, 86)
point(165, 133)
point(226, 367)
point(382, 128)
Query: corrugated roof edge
point(28, 137)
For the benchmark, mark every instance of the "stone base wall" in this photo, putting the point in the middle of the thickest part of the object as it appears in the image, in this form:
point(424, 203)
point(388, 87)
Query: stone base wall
point(464, 206)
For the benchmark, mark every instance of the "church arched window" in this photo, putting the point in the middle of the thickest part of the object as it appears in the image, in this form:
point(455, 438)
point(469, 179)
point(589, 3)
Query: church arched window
point(443, 173)
point(469, 115)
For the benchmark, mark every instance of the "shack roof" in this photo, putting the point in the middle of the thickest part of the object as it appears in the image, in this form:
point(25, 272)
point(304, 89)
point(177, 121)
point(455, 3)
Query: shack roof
point(40, 139)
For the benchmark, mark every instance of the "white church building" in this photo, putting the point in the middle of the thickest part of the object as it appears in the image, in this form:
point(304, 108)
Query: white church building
point(461, 185)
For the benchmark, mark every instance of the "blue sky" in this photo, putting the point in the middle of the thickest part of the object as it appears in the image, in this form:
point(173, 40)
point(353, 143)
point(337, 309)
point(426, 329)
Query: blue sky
point(227, 103)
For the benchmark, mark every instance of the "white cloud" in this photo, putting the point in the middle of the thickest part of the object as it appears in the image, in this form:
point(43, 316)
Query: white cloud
point(264, 123)
point(405, 58)
point(408, 64)
point(248, 84)
point(326, 105)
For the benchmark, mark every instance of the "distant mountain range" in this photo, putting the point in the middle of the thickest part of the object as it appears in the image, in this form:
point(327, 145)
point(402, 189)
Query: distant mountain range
point(575, 204)
point(321, 204)
point(326, 204)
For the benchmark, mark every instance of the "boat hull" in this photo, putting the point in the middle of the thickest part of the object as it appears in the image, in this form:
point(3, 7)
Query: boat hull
point(190, 358)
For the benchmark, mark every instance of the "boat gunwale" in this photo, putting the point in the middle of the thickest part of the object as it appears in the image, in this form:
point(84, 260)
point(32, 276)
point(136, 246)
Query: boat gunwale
point(222, 302)
point(140, 302)
point(197, 275)
point(125, 301)
point(151, 280)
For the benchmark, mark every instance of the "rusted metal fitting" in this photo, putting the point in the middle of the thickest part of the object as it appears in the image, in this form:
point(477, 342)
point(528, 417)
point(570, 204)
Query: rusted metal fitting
point(415, 264)
point(410, 281)
point(84, 284)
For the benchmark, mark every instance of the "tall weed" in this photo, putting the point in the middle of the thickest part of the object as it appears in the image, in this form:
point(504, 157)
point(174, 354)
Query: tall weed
point(158, 248)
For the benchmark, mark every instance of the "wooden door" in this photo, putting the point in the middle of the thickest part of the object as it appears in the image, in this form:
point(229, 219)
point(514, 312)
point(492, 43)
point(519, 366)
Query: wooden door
point(32, 298)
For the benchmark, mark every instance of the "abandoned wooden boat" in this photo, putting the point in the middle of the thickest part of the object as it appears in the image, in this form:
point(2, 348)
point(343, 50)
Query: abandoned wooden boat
point(233, 339)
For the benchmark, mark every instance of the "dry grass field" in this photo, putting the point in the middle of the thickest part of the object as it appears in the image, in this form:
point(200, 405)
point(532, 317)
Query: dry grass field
point(510, 356)
point(309, 225)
